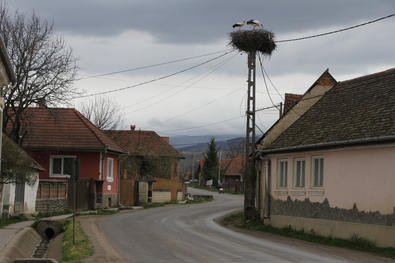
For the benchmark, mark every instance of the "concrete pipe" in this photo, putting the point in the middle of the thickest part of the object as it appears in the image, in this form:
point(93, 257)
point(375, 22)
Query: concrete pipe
point(49, 229)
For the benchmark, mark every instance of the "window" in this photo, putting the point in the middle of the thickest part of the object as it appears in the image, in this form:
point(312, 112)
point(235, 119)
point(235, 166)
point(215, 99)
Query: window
point(318, 171)
point(110, 169)
point(299, 172)
point(282, 173)
point(61, 166)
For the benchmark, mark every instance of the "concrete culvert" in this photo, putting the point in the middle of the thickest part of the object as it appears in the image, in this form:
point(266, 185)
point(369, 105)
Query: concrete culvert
point(49, 229)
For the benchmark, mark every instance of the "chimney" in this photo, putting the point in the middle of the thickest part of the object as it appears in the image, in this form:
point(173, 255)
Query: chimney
point(132, 127)
point(42, 103)
point(290, 100)
point(166, 139)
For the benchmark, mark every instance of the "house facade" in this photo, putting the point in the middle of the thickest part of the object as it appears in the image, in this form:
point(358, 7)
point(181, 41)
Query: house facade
point(149, 153)
point(150, 159)
point(326, 166)
point(232, 173)
point(18, 192)
point(57, 137)
point(7, 77)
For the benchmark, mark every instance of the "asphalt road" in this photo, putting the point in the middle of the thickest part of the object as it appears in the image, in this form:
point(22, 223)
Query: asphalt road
point(188, 233)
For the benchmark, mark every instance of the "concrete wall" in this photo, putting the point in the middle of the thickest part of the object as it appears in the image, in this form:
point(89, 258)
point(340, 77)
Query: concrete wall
point(143, 192)
point(7, 204)
point(161, 196)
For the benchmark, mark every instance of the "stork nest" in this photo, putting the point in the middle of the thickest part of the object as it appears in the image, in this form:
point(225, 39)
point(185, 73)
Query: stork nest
point(253, 40)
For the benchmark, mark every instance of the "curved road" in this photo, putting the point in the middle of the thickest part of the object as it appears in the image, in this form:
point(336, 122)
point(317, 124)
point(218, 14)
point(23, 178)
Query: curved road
point(188, 233)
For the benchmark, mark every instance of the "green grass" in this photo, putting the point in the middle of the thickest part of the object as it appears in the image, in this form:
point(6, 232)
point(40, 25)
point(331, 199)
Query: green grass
point(48, 214)
point(80, 249)
point(354, 242)
point(12, 220)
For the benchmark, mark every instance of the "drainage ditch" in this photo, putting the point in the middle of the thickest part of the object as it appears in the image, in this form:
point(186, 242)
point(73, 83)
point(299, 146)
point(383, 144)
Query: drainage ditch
point(48, 229)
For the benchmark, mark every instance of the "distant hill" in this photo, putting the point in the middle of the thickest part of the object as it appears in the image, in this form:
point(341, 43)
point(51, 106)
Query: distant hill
point(181, 142)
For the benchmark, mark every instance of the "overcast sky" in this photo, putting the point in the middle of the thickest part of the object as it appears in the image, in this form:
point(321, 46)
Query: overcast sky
point(139, 37)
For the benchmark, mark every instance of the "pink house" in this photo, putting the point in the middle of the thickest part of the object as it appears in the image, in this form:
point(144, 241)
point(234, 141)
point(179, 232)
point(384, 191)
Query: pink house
point(55, 137)
point(327, 165)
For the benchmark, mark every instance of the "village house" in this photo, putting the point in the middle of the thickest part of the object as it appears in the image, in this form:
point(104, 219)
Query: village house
point(327, 165)
point(153, 163)
point(56, 138)
point(232, 173)
point(18, 194)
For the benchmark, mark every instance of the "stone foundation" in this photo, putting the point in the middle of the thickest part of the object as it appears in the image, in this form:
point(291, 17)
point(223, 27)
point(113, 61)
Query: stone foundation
point(307, 209)
point(110, 200)
point(52, 205)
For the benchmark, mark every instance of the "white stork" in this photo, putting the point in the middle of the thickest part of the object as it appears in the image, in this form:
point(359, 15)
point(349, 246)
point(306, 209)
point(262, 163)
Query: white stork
point(254, 23)
point(239, 24)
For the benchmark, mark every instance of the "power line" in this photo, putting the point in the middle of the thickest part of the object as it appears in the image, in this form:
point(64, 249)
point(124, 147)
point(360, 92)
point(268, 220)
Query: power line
point(211, 70)
point(151, 66)
point(160, 78)
point(336, 31)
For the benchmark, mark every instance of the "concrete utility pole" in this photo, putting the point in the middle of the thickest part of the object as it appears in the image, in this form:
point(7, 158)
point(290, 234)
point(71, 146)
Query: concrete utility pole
point(249, 174)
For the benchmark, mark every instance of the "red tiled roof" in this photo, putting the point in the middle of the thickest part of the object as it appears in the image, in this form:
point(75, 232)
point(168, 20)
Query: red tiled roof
point(144, 143)
point(233, 166)
point(64, 128)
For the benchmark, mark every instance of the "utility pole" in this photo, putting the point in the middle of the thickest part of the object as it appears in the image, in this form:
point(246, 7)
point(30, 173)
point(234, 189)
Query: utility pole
point(249, 172)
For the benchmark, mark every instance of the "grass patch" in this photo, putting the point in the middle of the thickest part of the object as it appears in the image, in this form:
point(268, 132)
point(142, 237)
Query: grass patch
point(12, 220)
point(81, 248)
point(195, 201)
point(44, 215)
point(354, 242)
point(97, 213)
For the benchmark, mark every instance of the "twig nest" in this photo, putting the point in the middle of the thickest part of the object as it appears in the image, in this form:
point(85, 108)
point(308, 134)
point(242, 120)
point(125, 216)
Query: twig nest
point(253, 40)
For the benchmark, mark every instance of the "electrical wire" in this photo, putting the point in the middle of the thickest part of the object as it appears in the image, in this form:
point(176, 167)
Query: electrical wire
point(211, 70)
point(160, 78)
point(336, 31)
point(151, 66)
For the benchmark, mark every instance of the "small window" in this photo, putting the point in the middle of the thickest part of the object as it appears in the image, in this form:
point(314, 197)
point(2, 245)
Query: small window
point(318, 171)
point(299, 173)
point(282, 173)
point(110, 169)
point(61, 166)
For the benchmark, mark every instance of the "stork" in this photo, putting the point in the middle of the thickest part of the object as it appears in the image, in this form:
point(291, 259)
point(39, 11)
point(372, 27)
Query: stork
point(254, 23)
point(239, 24)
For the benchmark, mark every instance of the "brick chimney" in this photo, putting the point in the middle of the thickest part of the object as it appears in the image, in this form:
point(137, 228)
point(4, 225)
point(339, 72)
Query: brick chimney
point(42, 103)
point(132, 127)
point(290, 100)
point(166, 139)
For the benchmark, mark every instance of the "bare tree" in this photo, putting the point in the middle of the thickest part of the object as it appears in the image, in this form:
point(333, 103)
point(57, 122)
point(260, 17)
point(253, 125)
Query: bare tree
point(104, 112)
point(44, 67)
point(235, 148)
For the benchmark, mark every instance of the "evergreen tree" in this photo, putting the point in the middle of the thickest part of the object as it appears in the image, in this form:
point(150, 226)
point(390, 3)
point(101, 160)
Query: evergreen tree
point(210, 168)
